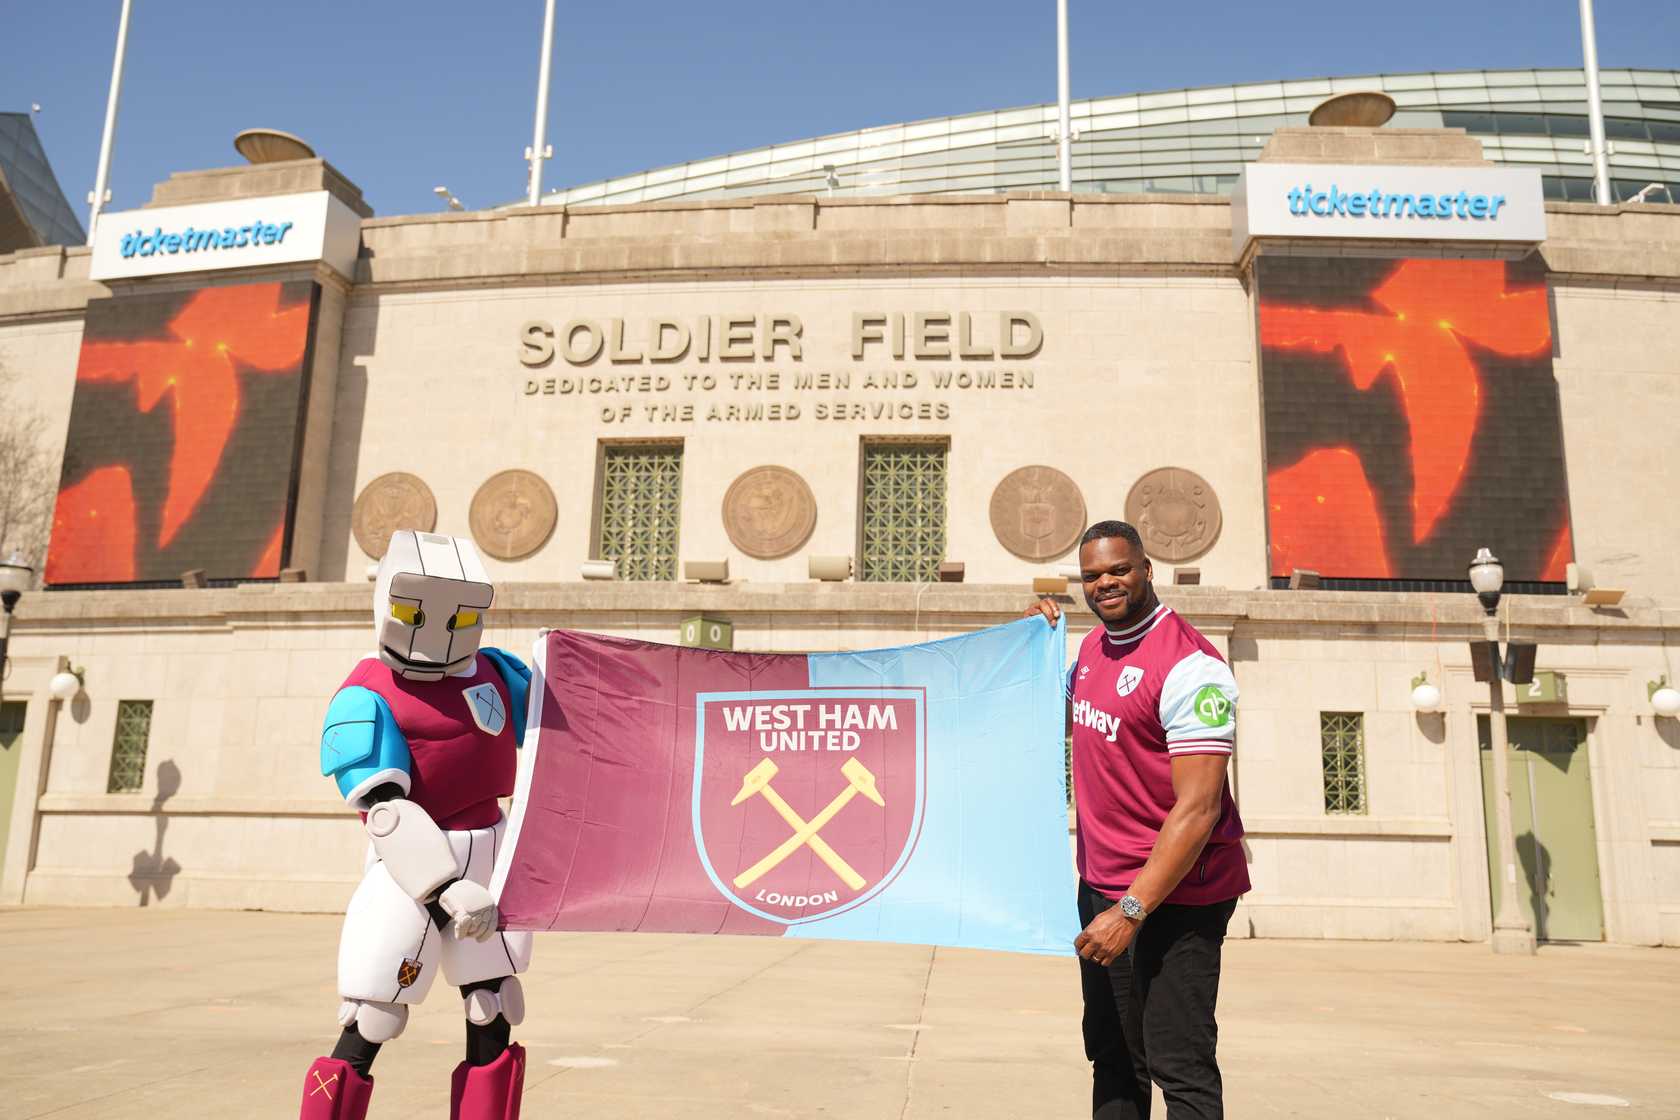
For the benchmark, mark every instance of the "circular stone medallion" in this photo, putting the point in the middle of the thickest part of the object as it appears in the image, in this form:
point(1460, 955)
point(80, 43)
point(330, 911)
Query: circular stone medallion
point(1176, 513)
point(769, 512)
point(398, 500)
point(512, 514)
point(1037, 513)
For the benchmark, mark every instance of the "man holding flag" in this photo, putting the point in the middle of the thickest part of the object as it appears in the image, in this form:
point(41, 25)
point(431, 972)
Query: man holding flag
point(1152, 706)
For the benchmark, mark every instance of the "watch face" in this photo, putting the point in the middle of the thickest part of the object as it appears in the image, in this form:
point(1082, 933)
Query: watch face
point(1131, 907)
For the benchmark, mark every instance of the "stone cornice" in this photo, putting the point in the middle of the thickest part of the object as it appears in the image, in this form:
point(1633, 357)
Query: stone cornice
point(935, 606)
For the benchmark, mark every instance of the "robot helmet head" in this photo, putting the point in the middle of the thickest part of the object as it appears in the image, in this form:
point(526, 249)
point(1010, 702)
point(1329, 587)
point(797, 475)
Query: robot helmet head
point(429, 601)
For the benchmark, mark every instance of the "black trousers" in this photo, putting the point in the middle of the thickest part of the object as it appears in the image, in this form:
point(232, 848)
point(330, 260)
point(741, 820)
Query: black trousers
point(1150, 1015)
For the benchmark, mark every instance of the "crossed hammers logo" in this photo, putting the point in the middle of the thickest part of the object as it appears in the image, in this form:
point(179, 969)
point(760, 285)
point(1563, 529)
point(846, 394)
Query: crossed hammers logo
point(757, 780)
point(321, 1086)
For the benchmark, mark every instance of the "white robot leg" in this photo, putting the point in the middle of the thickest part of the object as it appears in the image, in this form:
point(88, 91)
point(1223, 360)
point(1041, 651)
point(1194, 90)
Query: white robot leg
point(389, 951)
point(376, 1022)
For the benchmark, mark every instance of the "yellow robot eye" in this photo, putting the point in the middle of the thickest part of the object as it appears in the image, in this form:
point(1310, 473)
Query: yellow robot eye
point(408, 615)
point(460, 620)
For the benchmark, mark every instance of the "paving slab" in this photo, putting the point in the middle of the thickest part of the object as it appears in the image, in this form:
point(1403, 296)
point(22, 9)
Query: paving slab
point(155, 1014)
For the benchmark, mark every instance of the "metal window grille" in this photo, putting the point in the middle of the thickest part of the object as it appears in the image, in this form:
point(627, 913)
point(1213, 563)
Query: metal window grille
point(1342, 745)
point(903, 512)
point(128, 748)
point(641, 506)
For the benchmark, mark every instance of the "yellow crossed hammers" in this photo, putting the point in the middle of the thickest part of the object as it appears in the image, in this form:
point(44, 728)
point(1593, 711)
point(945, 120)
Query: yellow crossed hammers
point(858, 780)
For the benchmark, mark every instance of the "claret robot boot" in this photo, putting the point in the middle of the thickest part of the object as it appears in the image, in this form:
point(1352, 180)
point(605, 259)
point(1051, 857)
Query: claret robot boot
point(489, 1092)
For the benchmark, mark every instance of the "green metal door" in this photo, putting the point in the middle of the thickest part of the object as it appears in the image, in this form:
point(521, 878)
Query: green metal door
point(1552, 821)
point(11, 747)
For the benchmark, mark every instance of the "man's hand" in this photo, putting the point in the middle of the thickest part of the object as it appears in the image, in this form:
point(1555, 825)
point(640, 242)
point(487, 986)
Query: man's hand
point(1106, 937)
point(1046, 607)
point(472, 907)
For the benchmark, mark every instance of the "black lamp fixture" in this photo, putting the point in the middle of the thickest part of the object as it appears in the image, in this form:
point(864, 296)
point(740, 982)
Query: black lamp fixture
point(1487, 576)
point(15, 578)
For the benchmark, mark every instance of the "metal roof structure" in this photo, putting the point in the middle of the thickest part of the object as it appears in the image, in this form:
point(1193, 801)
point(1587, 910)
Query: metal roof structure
point(1195, 141)
point(33, 209)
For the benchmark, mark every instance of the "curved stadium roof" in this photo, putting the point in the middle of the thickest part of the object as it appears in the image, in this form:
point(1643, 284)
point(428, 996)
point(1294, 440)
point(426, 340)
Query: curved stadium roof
point(1196, 140)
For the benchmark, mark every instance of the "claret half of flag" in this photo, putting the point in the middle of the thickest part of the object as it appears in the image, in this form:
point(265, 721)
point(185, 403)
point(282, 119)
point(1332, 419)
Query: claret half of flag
point(915, 794)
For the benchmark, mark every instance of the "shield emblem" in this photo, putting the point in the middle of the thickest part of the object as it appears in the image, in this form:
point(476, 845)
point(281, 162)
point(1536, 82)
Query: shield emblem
point(1038, 520)
point(408, 972)
point(807, 802)
point(487, 707)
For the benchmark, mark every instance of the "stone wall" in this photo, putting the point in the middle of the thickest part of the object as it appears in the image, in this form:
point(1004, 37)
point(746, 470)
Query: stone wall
point(235, 813)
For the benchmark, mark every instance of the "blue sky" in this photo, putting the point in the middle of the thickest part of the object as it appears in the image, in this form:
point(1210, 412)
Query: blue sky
point(404, 96)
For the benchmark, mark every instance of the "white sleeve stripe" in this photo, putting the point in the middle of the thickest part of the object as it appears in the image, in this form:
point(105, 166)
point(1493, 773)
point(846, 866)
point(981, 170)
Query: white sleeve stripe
point(1201, 748)
point(1225, 742)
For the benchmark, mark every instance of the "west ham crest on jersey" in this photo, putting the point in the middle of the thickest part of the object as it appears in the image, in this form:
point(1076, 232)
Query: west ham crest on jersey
point(487, 707)
point(807, 802)
point(1130, 677)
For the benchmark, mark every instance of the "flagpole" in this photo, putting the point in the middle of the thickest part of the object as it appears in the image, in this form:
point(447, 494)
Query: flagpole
point(539, 151)
point(1595, 107)
point(1064, 139)
point(100, 194)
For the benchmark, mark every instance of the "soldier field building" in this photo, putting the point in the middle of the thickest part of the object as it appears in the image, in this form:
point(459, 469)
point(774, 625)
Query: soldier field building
point(868, 390)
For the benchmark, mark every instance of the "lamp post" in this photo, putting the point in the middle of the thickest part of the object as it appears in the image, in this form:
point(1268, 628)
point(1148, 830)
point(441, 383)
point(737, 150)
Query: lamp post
point(1511, 931)
point(15, 575)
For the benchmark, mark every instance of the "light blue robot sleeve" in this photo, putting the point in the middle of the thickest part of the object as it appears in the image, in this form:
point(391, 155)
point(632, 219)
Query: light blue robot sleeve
point(361, 746)
point(517, 676)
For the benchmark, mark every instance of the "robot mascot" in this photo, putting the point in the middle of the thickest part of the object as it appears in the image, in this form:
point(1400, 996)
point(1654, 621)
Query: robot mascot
point(421, 741)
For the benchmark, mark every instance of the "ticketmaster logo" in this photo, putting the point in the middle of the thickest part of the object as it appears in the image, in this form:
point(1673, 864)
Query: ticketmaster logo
point(143, 244)
point(1334, 202)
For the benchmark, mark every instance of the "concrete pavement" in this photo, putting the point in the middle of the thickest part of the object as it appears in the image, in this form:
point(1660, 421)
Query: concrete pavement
point(171, 1013)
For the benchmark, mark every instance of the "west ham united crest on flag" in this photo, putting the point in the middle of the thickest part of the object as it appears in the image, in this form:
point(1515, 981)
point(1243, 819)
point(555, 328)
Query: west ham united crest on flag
point(807, 802)
point(910, 794)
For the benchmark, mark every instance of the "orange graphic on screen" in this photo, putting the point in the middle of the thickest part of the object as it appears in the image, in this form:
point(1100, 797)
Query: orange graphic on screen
point(1324, 517)
point(216, 327)
point(163, 388)
point(1411, 417)
point(1434, 306)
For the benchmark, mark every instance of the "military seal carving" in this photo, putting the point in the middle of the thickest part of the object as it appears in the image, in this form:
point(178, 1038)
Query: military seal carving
point(1176, 513)
point(398, 500)
point(512, 514)
point(769, 512)
point(1037, 513)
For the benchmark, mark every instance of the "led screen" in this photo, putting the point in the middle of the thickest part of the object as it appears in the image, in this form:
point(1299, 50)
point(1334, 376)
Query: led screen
point(1411, 418)
point(184, 435)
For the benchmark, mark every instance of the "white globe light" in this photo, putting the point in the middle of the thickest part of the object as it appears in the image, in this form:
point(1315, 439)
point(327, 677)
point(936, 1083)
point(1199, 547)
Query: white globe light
point(1666, 702)
point(64, 686)
point(1426, 697)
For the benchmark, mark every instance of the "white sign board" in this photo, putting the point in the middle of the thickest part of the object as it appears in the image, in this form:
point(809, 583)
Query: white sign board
point(1388, 202)
point(242, 233)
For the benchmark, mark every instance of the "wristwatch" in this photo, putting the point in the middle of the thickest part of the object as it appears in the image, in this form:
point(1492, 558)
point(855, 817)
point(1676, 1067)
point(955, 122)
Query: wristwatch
point(1133, 909)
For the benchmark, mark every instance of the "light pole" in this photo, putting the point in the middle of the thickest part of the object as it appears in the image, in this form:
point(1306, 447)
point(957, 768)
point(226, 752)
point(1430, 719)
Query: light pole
point(1511, 931)
point(540, 149)
point(100, 195)
point(1595, 107)
point(1064, 133)
point(15, 575)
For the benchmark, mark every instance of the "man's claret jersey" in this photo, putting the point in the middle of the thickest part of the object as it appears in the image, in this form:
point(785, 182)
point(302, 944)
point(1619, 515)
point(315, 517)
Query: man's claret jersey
point(1141, 697)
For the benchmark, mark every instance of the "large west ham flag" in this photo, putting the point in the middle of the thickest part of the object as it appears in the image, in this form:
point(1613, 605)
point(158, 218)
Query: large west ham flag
point(913, 794)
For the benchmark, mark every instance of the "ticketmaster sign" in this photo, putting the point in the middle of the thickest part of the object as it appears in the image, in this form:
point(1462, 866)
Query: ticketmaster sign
point(244, 233)
point(1348, 201)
